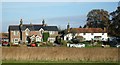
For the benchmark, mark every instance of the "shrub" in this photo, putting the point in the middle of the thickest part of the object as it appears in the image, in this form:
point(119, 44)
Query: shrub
point(45, 36)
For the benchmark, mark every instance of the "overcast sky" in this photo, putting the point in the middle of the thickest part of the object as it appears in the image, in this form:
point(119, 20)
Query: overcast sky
point(54, 13)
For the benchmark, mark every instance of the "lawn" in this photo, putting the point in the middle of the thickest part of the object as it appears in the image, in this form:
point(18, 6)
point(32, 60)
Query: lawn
point(60, 64)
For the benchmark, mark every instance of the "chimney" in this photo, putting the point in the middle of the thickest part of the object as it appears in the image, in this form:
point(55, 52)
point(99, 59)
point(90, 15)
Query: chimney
point(20, 27)
point(21, 22)
point(43, 23)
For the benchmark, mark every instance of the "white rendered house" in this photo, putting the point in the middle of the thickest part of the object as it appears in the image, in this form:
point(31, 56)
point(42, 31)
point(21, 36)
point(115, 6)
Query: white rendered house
point(88, 34)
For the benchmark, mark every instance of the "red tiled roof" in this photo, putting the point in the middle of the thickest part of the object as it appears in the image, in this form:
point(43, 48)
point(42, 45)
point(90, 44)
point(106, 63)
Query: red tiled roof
point(87, 30)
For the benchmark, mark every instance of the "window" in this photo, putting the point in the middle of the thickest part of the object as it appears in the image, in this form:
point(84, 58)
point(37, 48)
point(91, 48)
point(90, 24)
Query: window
point(51, 39)
point(92, 39)
point(16, 40)
point(51, 32)
point(67, 38)
point(84, 38)
point(38, 39)
point(16, 33)
point(84, 33)
point(97, 37)
point(102, 33)
point(102, 38)
point(91, 33)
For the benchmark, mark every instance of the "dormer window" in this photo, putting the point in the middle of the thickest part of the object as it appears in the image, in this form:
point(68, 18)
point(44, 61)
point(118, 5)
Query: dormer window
point(41, 31)
point(27, 32)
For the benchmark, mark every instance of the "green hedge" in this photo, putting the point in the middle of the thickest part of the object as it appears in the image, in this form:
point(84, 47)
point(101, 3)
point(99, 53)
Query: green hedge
point(45, 36)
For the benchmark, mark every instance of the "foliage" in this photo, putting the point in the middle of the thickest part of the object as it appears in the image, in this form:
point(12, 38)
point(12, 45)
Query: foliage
point(45, 36)
point(97, 18)
point(64, 43)
point(80, 26)
point(58, 40)
point(114, 28)
point(76, 40)
point(49, 44)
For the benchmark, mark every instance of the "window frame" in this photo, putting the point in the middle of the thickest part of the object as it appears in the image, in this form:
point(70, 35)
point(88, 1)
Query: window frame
point(84, 33)
point(15, 33)
point(16, 40)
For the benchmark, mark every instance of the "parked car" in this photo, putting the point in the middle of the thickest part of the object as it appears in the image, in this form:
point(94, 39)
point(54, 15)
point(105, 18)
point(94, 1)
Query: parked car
point(4, 43)
point(33, 45)
point(79, 45)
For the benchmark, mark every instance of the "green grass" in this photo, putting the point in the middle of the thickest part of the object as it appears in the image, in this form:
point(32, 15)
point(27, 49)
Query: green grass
point(56, 63)
point(60, 64)
point(39, 61)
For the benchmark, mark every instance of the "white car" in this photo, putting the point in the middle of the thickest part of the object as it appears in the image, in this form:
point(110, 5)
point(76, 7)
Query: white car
point(80, 45)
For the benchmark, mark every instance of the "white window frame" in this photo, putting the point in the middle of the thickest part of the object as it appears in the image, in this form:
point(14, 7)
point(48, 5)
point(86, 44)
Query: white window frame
point(50, 32)
point(38, 39)
point(102, 33)
point(27, 31)
point(51, 39)
point(41, 30)
point(15, 33)
point(16, 42)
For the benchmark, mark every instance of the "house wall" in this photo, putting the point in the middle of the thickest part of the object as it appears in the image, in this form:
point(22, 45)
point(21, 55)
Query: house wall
point(24, 36)
point(87, 36)
point(34, 32)
point(51, 39)
point(12, 36)
point(55, 33)
point(69, 36)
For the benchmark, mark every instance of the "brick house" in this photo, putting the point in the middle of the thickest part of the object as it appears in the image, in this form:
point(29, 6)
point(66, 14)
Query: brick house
point(22, 31)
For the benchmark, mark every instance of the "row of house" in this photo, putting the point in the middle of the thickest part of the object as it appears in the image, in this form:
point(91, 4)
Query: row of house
point(22, 31)
point(35, 32)
point(87, 34)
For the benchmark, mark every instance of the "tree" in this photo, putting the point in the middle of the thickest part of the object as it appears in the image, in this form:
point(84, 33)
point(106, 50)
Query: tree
point(114, 28)
point(97, 18)
point(84, 26)
point(80, 27)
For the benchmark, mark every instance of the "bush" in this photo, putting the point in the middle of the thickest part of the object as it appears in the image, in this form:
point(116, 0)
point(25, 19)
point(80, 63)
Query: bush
point(64, 43)
point(45, 36)
point(74, 40)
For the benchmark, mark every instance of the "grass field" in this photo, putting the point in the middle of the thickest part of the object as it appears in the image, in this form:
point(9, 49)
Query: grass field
point(60, 64)
point(59, 54)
